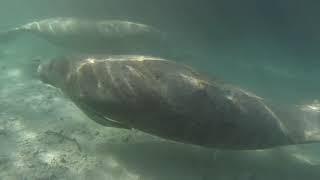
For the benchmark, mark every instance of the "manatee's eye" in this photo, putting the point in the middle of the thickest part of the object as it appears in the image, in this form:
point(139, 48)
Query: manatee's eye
point(54, 66)
point(61, 66)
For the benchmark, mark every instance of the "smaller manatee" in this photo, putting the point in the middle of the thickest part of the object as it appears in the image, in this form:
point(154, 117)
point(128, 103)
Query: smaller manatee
point(92, 36)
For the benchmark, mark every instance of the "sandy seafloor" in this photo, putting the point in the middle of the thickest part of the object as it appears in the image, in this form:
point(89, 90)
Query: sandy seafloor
point(44, 136)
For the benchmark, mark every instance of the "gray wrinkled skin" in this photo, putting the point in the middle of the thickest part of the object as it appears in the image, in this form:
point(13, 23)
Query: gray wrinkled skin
point(96, 36)
point(168, 100)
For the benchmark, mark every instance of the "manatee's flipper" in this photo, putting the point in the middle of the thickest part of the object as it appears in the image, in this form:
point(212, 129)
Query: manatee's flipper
point(99, 118)
point(8, 36)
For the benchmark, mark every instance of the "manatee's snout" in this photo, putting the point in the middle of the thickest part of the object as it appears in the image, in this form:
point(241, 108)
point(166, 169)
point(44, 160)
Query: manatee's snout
point(40, 69)
point(53, 72)
point(43, 72)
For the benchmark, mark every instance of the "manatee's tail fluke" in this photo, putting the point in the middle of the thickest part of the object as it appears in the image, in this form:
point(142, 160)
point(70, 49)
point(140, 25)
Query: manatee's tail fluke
point(9, 36)
point(302, 121)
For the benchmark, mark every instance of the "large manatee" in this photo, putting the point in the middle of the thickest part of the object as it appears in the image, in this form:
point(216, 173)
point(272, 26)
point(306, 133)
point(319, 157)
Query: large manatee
point(106, 36)
point(175, 102)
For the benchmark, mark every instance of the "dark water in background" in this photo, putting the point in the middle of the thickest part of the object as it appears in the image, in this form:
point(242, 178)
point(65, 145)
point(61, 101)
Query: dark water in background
point(268, 47)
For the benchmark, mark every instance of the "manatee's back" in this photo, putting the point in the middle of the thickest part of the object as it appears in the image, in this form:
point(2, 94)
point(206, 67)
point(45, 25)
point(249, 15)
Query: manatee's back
point(151, 94)
point(172, 101)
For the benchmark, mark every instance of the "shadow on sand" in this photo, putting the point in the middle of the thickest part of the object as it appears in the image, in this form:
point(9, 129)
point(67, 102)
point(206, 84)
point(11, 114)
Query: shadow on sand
point(170, 161)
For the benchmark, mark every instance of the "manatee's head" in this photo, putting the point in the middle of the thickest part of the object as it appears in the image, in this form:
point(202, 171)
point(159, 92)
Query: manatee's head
point(54, 71)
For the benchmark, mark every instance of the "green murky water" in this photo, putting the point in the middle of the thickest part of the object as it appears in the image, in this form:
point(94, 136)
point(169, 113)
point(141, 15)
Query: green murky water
point(268, 47)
